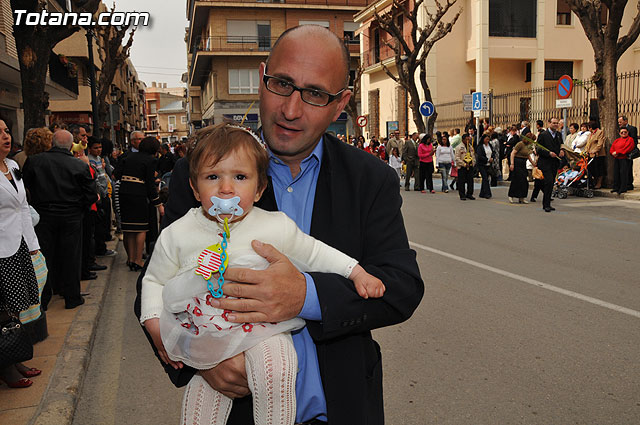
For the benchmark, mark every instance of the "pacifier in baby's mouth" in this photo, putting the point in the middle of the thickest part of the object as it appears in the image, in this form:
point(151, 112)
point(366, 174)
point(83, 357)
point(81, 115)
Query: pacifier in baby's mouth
point(225, 206)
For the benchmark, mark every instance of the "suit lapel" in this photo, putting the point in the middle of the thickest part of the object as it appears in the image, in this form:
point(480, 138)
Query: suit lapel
point(6, 185)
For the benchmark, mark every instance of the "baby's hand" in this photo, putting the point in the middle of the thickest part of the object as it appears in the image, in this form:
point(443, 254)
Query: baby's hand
point(153, 327)
point(366, 284)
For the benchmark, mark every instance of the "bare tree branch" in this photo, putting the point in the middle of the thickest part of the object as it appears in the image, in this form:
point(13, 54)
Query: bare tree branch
point(632, 35)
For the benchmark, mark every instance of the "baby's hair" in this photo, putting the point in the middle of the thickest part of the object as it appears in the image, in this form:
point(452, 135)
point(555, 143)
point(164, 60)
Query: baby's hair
point(214, 142)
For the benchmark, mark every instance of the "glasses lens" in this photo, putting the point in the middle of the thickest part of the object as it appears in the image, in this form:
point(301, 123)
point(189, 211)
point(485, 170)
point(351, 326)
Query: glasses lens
point(315, 97)
point(278, 86)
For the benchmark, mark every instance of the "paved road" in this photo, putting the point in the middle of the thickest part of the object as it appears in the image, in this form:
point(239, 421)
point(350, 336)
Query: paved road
point(528, 317)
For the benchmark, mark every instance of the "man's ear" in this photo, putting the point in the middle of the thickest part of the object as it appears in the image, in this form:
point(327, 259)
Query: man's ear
point(346, 95)
point(195, 191)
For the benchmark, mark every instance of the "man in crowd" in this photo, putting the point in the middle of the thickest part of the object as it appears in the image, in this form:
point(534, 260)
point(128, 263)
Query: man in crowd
point(393, 143)
point(623, 122)
point(524, 128)
point(549, 160)
point(512, 140)
point(411, 160)
point(62, 189)
point(103, 215)
point(166, 161)
point(340, 195)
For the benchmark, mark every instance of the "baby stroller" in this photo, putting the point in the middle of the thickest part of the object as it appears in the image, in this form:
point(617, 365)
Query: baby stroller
point(578, 185)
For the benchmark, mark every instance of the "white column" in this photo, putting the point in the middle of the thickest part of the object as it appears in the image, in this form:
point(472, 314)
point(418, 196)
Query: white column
point(537, 67)
point(481, 29)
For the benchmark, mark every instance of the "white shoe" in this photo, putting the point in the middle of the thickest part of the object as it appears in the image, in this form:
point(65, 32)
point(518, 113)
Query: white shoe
point(524, 201)
point(511, 200)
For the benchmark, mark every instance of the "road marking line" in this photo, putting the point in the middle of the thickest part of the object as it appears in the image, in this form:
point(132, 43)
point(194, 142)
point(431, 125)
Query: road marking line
point(530, 281)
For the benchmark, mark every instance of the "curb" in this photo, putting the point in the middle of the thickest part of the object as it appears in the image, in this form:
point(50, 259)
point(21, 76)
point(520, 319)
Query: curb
point(58, 404)
point(600, 193)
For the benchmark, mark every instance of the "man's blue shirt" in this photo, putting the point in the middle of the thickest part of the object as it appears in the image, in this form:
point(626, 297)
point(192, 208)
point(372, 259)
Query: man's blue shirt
point(295, 197)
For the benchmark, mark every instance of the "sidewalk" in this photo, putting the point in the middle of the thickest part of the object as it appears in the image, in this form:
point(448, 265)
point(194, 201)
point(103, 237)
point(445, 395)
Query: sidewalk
point(63, 358)
point(633, 195)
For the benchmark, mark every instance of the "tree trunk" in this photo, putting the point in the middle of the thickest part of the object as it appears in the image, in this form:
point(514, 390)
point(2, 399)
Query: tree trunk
point(608, 105)
point(352, 110)
point(414, 101)
point(33, 66)
point(431, 121)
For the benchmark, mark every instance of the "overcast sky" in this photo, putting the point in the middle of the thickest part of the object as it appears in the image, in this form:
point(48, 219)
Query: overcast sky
point(159, 52)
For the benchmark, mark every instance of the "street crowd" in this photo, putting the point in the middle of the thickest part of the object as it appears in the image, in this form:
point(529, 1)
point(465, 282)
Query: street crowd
point(63, 196)
point(517, 154)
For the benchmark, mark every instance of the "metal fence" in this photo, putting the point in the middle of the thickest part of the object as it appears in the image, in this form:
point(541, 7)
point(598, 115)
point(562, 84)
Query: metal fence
point(539, 104)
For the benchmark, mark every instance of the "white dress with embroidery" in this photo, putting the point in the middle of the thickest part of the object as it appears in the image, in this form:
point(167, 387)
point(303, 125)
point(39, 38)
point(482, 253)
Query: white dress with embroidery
point(192, 330)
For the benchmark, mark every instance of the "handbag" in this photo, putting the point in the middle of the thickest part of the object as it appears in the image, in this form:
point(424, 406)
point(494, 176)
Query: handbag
point(454, 170)
point(635, 153)
point(537, 174)
point(15, 344)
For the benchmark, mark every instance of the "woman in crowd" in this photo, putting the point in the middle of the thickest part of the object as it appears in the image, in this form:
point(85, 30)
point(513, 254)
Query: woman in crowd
point(485, 161)
point(444, 155)
point(620, 149)
point(360, 143)
point(573, 133)
point(37, 140)
point(18, 283)
point(596, 150)
point(138, 190)
point(580, 141)
point(425, 154)
point(521, 152)
point(495, 171)
point(395, 162)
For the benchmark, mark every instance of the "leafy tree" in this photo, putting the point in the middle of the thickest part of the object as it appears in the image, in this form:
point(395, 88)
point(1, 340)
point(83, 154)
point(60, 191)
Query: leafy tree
point(412, 53)
point(608, 47)
point(34, 44)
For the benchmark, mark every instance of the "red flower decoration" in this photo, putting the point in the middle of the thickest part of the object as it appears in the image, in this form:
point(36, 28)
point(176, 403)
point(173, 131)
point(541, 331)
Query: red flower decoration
point(186, 325)
point(217, 327)
point(197, 300)
point(247, 327)
point(209, 298)
point(197, 311)
point(225, 315)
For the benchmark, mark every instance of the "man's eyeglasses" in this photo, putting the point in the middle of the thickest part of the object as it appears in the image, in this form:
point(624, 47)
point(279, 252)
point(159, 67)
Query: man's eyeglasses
point(282, 87)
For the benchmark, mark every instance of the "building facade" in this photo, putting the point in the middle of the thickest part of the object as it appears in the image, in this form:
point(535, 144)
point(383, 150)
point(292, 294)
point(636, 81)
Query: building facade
point(167, 117)
point(227, 41)
point(499, 46)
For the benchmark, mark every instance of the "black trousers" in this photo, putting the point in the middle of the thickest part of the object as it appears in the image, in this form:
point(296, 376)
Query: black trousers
point(60, 241)
point(485, 189)
point(102, 232)
point(426, 173)
point(412, 168)
point(547, 186)
point(88, 243)
point(621, 174)
point(465, 182)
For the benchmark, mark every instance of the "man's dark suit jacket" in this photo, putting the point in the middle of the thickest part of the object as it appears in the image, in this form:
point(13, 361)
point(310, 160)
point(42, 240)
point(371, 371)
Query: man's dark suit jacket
point(633, 133)
point(545, 161)
point(356, 210)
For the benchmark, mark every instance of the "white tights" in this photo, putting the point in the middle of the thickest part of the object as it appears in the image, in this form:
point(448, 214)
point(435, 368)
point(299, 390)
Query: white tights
point(271, 372)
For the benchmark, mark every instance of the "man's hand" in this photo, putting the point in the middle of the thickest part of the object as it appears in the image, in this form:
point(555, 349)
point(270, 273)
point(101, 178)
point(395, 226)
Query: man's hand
point(272, 295)
point(229, 377)
point(553, 155)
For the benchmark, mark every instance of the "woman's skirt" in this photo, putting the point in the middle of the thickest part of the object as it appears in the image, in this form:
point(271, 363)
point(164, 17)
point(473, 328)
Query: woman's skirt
point(18, 284)
point(519, 186)
point(134, 213)
point(33, 319)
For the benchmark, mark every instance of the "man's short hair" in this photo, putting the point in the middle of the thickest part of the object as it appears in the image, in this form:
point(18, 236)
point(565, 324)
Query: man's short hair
point(62, 139)
point(540, 123)
point(465, 136)
point(346, 56)
point(624, 118)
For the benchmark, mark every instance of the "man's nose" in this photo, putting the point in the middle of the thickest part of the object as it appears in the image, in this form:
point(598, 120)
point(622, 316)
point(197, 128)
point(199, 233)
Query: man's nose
point(292, 108)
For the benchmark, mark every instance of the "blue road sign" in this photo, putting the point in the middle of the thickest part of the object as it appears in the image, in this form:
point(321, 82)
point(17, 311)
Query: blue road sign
point(476, 101)
point(427, 109)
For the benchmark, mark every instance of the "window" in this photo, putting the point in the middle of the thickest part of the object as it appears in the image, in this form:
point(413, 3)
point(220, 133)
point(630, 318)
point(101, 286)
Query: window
point(247, 31)
point(321, 23)
point(172, 122)
point(512, 18)
point(243, 81)
point(556, 69)
point(527, 73)
point(350, 36)
point(183, 119)
point(153, 107)
point(563, 13)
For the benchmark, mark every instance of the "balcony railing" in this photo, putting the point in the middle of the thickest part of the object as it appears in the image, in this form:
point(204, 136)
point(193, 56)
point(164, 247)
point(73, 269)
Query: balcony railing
point(376, 55)
point(64, 74)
